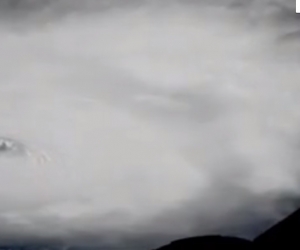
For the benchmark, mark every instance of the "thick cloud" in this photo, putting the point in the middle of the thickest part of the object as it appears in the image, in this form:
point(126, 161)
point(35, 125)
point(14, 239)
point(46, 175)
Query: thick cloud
point(146, 121)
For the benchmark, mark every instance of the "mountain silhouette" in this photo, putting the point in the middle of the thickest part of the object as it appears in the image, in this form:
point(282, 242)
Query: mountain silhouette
point(208, 242)
point(283, 234)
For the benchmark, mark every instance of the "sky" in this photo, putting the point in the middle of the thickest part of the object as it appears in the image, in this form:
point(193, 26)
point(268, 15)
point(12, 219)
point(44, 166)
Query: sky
point(127, 124)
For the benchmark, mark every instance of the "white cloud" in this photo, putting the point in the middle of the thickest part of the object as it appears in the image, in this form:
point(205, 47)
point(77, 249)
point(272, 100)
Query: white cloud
point(133, 113)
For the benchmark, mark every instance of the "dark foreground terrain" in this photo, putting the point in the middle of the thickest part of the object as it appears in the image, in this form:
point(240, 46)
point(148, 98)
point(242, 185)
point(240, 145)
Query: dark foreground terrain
point(283, 235)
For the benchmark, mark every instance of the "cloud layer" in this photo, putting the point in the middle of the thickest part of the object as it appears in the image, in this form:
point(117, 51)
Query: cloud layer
point(147, 121)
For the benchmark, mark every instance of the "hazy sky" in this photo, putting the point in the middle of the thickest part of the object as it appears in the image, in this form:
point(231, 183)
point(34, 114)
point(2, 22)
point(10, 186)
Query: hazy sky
point(137, 122)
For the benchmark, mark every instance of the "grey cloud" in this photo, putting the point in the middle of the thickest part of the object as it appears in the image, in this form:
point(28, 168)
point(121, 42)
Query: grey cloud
point(147, 121)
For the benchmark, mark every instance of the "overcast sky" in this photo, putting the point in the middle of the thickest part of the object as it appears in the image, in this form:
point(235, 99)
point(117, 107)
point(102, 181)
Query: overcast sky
point(132, 123)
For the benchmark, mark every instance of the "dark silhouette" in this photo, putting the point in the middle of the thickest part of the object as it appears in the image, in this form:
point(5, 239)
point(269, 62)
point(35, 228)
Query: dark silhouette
point(284, 234)
point(286, 231)
point(208, 242)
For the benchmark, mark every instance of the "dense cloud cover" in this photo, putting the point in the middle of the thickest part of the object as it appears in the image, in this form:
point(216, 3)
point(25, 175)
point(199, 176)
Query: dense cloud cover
point(131, 123)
